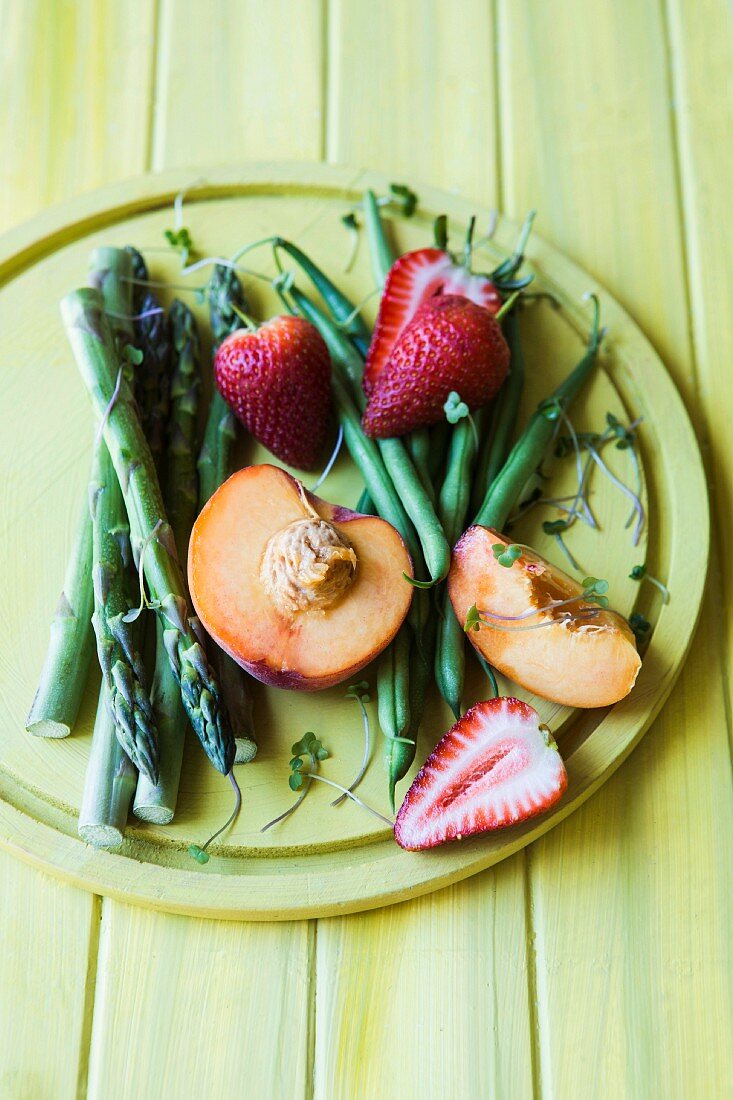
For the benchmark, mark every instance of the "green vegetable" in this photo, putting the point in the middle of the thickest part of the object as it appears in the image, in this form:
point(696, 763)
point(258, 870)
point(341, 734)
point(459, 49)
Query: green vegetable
point(223, 292)
point(55, 706)
point(339, 306)
point(453, 504)
point(122, 667)
point(109, 783)
point(528, 451)
point(381, 251)
point(91, 341)
point(401, 753)
point(496, 443)
point(152, 377)
point(157, 802)
point(225, 298)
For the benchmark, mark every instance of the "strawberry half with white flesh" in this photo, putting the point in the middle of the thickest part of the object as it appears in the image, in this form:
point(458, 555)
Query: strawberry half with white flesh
point(412, 280)
point(495, 767)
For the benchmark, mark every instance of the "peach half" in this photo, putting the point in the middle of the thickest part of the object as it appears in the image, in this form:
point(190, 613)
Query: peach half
point(578, 655)
point(301, 593)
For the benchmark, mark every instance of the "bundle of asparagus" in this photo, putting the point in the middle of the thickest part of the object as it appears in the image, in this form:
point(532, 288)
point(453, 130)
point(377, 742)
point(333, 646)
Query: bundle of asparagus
point(144, 382)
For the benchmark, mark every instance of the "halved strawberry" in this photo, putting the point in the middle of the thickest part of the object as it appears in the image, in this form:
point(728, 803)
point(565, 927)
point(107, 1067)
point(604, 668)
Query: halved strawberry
point(496, 766)
point(412, 279)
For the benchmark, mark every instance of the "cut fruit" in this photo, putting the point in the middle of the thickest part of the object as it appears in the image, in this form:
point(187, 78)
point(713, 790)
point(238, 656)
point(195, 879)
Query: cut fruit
point(412, 279)
point(495, 767)
point(299, 592)
point(579, 654)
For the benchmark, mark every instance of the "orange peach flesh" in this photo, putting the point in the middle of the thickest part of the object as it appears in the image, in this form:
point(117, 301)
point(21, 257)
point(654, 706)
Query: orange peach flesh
point(590, 663)
point(310, 649)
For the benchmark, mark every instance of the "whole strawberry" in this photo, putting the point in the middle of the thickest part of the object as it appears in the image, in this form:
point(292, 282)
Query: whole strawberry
point(276, 379)
point(451, 344)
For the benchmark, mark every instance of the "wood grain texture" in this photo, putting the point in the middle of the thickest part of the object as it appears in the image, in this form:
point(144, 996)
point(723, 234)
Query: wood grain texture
point(238, 79)
point(65, 68)
point(701, 54)
point(49, 937)
point(587, 138)
point(630, 898)
point(397, 74)
point(429, 998)
point(197, 1008)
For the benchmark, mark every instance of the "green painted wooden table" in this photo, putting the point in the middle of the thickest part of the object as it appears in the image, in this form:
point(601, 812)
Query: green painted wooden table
point(598, 961)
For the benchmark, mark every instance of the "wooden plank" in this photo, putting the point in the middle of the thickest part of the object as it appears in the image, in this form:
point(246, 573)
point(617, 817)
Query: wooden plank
point(188, 1007)
point(586, 139)
point(428, 998)
point(64, 71)
point(702, 61)
point(230, 1002)
point(411, 91)
point(630, 896)
point(238, 80)
point(49, 937)
point(63, 74)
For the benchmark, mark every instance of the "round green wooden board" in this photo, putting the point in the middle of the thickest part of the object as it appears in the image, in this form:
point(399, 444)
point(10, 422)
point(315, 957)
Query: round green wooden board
point(322, 860)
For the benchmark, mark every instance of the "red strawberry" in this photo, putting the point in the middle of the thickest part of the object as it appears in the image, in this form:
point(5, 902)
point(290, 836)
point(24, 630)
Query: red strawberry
point(450, 344)
point(277, 379)
point(412, 279)
point(495, 767)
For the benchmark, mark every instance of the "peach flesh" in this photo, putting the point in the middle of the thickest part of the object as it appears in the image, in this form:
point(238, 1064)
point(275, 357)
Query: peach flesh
point(253, 571)
point(580, 663)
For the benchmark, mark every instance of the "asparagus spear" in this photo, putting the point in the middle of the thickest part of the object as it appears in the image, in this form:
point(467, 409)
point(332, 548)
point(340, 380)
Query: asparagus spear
point(118, 641)
point(58, 697)
point(214, 465)
point(122, 667)
point(109, 784)
point(91, 341)
point(152, 378)
point(55, 706)
point(157, 802)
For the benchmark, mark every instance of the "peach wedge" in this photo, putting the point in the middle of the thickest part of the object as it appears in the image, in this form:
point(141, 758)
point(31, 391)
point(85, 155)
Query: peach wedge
point(301, 593)
point(578, 655)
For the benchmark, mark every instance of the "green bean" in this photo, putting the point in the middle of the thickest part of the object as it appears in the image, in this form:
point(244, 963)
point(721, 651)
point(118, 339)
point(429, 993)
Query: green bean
point(453, 504)
point(341, 309)
point(440, 435)
point(365, 504)
point(393, 695)
point(380, 250)
point(497, 441)
point(418, 444)
point(529, 450)
point(400, 754)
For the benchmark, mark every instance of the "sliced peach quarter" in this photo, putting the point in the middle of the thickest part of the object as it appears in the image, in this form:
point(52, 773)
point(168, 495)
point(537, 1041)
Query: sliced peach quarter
point(577, 654)
point(299, 592)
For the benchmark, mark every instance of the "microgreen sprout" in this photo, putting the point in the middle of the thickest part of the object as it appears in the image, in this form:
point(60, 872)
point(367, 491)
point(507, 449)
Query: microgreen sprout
point(329, 465)
point(640, 626)
point(506, 555)
point(594, 592)
point(199, 853)
point(360, 693)
point(455, 409)
point(182, 241)
point(440, 232)
point(640, 573)
point(308, 749)
point(401, 196)
point(352, 225)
